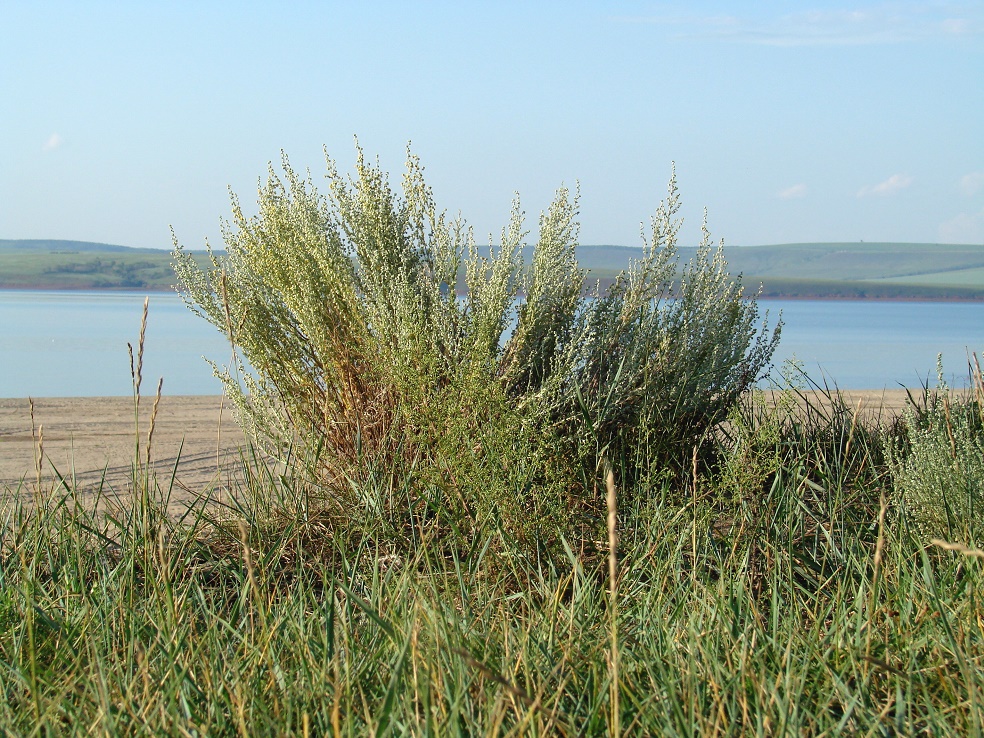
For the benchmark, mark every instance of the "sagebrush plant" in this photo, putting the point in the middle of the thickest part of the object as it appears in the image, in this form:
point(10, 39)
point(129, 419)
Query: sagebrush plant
point(500, 399)
point(939, 477)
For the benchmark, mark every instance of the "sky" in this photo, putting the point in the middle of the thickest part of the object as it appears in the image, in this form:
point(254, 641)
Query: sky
point(788, 121)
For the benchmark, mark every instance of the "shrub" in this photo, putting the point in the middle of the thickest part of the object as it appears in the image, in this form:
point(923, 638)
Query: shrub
point(939, 476)
point(649, 367)
point(374, 372)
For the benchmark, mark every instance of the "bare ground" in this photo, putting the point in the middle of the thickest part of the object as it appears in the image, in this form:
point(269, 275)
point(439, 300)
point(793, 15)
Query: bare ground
point(93, 439)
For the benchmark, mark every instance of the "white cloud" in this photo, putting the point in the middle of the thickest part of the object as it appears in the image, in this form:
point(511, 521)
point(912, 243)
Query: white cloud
point(792, 193)
point(53, 142)
point(964, 228)
point(895, 183)
point(957, 26)
point(971, 184)
point(880, 23)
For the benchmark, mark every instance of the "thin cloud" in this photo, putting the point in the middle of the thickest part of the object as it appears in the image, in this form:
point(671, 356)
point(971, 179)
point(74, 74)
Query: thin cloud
point(957, 26)
point(793, 193)
point(964, 228)
point(971, 184)
point(884, 23)
point(895, 183)
point(53, 142)
point(824, 28)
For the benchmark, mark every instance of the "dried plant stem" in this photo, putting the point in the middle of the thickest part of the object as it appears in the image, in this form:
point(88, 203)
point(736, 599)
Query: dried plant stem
point(37, 433)
point(140, 345)
point(153, 418)
point(958, 547)
point(693, 528)
point(136, 376)
point(977, 380)
point(949, 426)
point(613, 590)
point(876, 567)
point(40, 454)
point(250, 573)
point(854, 425)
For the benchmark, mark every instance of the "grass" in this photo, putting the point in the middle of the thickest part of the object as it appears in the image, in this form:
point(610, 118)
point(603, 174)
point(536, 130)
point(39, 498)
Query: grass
point(781, 590)
point(594, 528)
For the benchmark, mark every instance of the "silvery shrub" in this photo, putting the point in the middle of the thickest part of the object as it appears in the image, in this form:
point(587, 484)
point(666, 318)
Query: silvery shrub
point(374, 339)
point(939, 473)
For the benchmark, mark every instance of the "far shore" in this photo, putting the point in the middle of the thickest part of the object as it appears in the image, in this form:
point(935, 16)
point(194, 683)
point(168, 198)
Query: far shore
point(74, 288)
point(915, 295)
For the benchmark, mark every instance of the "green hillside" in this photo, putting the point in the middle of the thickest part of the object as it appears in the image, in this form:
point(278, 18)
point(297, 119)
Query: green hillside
point(82, 265)
point(841, 270)
point(971, 277)
point(821, 270)
point(58, 246)
point(861, 261)
point(830, 261)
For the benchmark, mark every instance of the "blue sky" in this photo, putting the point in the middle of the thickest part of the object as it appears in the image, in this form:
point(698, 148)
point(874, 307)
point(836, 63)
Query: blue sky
point(790, 122)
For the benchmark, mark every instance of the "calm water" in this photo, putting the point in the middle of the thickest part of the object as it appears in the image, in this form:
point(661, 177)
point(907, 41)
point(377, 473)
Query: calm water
point(57, 344)
point(874, 345)
point(73, 344)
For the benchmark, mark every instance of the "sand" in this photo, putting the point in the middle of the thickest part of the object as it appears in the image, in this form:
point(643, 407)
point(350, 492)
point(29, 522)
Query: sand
point(93, 439)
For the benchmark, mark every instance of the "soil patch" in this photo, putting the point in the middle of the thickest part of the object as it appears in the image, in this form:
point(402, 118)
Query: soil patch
point(93, 440)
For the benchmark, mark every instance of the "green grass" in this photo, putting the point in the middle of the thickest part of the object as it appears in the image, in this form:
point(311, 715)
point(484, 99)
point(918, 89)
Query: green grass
point(778, 590)
point(594, 528)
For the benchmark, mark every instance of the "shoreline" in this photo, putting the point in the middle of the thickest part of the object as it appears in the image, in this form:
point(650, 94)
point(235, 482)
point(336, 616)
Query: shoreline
point(196, 439)
point(759, 298)
point(195, 445)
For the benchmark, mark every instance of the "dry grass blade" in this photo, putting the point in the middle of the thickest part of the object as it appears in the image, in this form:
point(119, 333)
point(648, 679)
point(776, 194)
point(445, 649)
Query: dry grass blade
point(37, 434)
point(612, 504)
point(153, 419)
point(958, 547)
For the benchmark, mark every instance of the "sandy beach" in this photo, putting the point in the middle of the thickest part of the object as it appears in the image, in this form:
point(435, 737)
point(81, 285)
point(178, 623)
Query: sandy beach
point(93, 438)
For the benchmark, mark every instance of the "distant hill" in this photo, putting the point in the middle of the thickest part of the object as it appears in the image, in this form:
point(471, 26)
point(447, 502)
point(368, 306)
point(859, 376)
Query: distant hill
point(837, 261)
point(83, 265)
point(842, 270)
point(856, 261)
point(44, 245)
point(801, 270)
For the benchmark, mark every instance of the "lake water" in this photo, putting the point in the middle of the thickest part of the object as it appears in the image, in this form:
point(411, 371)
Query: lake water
point(73, 344)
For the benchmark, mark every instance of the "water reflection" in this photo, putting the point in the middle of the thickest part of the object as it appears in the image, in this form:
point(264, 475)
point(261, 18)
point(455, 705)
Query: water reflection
point(55, 344)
